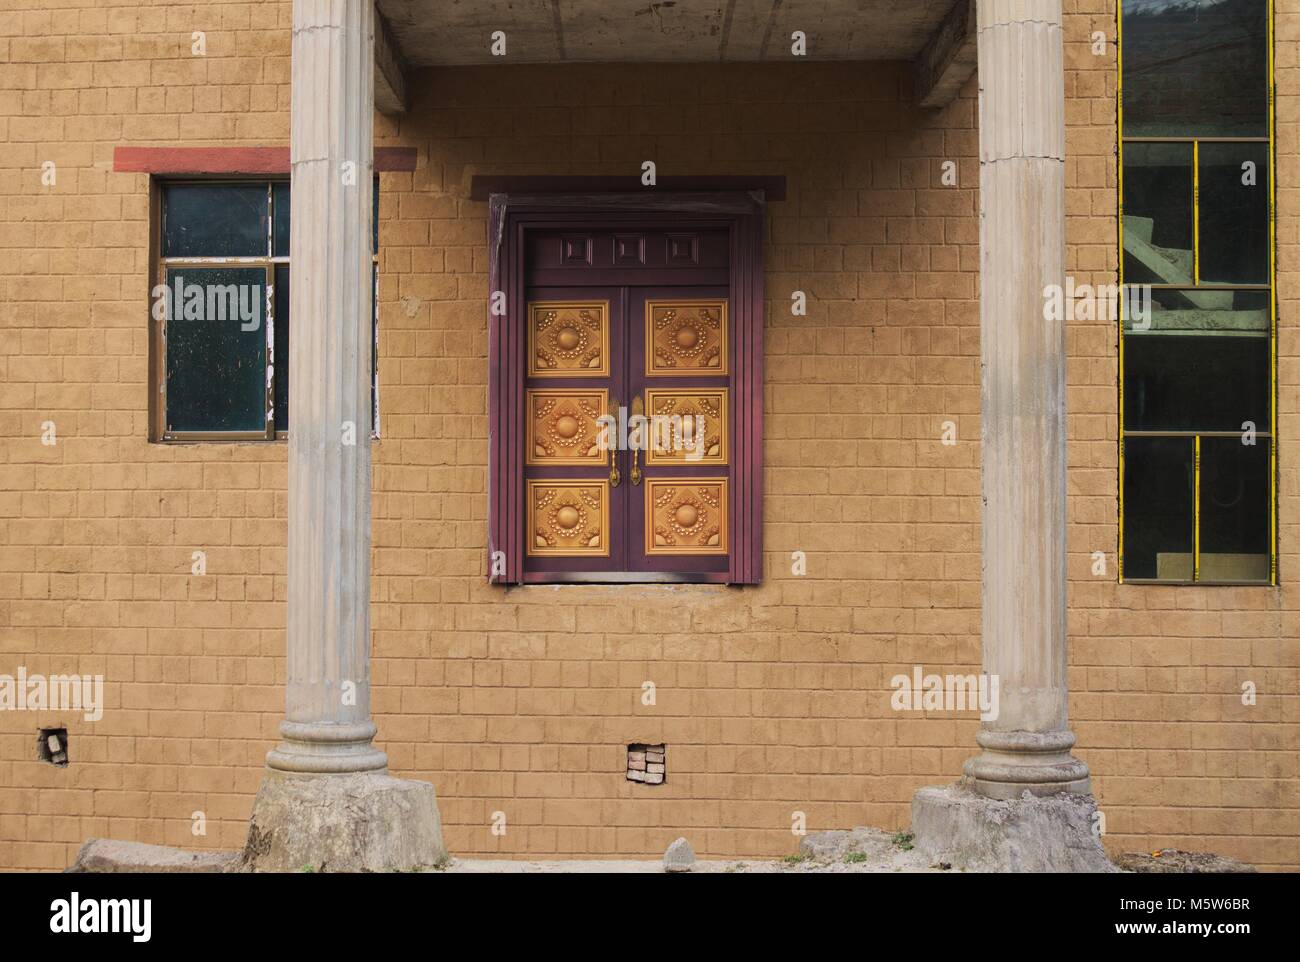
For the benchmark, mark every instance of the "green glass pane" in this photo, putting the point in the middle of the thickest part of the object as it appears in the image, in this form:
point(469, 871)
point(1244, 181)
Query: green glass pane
point(1226, 313)
point(1235, 495)
point(281, 383)
point(1158, 515)
point(1195, 68)
point(280, 219)
point(1195, 383)
point(216, 349)
point(1158, 214)
point(1234, 213)
point(214, 220)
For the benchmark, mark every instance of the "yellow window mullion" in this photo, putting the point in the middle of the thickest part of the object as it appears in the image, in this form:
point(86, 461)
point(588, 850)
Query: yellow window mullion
point(1272, 304)
point(1196, 511)
point(1196, 212)
point(1119, 124)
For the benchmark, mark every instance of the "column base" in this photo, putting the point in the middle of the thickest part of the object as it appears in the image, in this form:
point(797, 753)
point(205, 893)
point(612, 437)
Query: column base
point(320, 749)
point(1029, 834)
point(358, 822)
point(1016, 762)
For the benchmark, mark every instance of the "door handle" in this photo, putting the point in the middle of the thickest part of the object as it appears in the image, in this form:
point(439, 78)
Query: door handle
point(614, 476)
point(638, 410)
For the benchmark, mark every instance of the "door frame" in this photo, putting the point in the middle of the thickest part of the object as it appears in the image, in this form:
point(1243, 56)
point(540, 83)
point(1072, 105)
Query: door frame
point(510, 216)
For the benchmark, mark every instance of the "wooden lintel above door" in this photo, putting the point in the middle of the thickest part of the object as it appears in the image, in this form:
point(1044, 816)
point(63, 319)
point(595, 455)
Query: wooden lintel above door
point(483, 186)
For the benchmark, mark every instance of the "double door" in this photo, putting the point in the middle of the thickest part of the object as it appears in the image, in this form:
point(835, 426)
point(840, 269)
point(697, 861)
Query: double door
point(628, 426)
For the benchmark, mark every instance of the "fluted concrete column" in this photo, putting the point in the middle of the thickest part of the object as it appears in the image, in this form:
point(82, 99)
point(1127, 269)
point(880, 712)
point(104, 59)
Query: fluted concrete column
point(327, 726)
point(1023, 381)
point(327, 802)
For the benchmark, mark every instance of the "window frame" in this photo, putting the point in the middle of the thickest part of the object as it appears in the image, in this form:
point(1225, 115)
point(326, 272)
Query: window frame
point(1194, 437)
point(510, 216)
point(159, 264)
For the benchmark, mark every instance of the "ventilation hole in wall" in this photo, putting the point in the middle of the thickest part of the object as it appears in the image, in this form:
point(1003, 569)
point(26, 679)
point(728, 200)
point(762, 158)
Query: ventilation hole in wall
point(52, 746)
point(647, 763)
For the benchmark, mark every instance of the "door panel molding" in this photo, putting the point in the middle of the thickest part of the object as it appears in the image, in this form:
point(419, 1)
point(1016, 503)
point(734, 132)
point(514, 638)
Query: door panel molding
point(686, 337)
point(686, 516)
point(709, 405)
point(563, 426)
point(568, 518)
point(568, 339)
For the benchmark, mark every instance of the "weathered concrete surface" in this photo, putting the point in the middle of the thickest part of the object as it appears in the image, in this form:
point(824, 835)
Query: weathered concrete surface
point(901, 862)
point(327, 725)
point(859, 851)
point(832, 844)
point(109, 855)
point(1029, 834)
point(364, 822)
point(1026, 740)
point(1173, 861)
point(871, 842)
point(679, 857)
point(390, 71)
point(948, 59)
point(435, 32)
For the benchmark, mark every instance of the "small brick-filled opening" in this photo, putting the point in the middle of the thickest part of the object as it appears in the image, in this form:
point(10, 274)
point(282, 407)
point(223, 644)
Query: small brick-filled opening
point(52, 746)
point(647, 763)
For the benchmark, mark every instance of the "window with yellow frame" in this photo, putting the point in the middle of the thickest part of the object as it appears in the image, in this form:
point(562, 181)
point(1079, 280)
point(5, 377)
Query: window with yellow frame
point(1198, 354)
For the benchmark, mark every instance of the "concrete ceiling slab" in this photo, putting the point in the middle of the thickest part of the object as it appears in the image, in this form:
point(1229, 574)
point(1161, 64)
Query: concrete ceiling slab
point(436, 32)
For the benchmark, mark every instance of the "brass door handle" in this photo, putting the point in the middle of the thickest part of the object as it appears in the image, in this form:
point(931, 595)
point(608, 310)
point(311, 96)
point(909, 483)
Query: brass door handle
point(638, 411)
point(614, 476)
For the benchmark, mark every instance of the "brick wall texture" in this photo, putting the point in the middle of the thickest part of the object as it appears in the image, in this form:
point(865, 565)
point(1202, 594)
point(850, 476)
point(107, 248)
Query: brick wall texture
point(771, 700)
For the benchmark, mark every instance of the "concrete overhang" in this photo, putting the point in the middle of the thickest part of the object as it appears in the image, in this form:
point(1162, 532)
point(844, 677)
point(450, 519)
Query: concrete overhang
point(936, 35)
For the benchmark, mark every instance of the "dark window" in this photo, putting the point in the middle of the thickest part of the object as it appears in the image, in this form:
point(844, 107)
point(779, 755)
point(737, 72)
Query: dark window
point(1198, 382)
point(1158, 493)
point(1158, 214)
point(1234, 516)
point(1198, 341)
point(1234, 213)
point(280, 219)
point(216, 350)
point(215, 220)
point(221, 307)
point(1195, 67)
point(281, 378)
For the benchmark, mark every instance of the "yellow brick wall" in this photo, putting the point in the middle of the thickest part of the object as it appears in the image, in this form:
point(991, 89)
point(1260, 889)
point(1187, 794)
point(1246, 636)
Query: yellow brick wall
point(772, 700)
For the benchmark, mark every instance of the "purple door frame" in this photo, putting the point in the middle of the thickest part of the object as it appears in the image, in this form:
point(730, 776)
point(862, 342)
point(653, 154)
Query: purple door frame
point(510, 218)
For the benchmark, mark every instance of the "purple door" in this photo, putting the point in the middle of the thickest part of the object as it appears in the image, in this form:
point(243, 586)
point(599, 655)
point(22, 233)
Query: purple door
point(635, 324)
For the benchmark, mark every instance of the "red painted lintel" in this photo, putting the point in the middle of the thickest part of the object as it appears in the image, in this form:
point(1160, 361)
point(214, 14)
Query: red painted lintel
point(165, 161)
